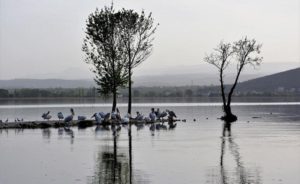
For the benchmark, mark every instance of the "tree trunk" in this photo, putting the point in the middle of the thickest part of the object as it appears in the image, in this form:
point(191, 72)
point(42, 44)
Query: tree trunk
point(222, 88)
point(114, 87)
point(228, 109)
point(114, 101)
point(233, 86)
point(228, 117)
point(129, 90)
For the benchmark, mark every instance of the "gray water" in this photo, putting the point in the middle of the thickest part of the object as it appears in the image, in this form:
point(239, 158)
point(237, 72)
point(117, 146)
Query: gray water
point(264, 149)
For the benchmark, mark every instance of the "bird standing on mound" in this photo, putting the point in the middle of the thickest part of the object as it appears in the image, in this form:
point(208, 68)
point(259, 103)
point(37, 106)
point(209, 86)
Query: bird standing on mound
point(171, 114)
point(152, 115)
point(60, 116)
point(81, 118)
point(70, 117)
point(98, 118)
point(46, 115)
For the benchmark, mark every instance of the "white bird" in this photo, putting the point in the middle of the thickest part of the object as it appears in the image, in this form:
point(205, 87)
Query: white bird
point(147, 119)
point(60, 115)
point(102, 114)
point(70, 117)
point(171, 114)
point(126, 119)
point(106, 117)
point(152, 116)
point(98, 118)
point(81, 118)
point(113, 115)
point(139, 116)
point(157, 112)
point(162, 115)
point(46, 115)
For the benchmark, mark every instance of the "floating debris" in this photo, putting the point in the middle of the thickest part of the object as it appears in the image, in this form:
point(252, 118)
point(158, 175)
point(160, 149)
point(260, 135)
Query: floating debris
point(256, 117)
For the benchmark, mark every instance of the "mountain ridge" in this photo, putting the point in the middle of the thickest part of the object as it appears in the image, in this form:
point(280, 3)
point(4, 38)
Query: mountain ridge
point(282, 80)
point(285, 80)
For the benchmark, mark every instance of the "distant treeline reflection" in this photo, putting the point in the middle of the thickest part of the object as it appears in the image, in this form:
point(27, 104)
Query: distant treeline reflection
point(172, 91)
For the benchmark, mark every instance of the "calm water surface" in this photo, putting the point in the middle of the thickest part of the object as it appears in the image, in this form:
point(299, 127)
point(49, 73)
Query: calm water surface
point(264, 149)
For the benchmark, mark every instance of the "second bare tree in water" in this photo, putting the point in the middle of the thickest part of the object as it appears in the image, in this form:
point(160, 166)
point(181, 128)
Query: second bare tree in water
point(243, 52)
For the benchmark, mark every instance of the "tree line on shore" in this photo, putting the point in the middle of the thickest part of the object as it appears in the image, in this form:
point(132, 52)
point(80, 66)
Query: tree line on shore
point(138, 92)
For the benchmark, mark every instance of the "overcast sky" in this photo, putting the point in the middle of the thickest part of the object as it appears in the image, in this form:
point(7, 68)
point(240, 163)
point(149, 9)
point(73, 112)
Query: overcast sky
point(42, 38)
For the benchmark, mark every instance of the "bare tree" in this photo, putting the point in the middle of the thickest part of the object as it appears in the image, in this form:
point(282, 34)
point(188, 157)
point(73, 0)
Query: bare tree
point(243, 52)
point(220, 59)
point(104, 51)
point(137, 37)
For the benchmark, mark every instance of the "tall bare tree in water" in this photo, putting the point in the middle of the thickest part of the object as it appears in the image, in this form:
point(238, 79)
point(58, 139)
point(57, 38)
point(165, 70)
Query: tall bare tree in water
point(104, 51)
point(243, 52)
point(137, 37)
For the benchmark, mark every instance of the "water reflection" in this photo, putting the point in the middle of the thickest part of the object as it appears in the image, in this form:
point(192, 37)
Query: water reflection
point(130, 153)
point(6, 131)
point(17, 130)
point(46, 133)
point(226, 128)
point(70, 133)
point(100, 128)
point(139, 126)
point(60, 131)
point(112, 166)
point(236, 172)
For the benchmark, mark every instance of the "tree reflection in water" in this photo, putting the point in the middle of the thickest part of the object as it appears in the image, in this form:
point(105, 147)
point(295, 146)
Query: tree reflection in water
point(46, 133)
point(111, 167)
point(240, 173)
point(114, 165)
point(130, 153)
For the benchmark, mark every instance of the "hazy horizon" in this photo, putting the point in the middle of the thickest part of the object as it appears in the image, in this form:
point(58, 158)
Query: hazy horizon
point(203, 70)
point(43, 39)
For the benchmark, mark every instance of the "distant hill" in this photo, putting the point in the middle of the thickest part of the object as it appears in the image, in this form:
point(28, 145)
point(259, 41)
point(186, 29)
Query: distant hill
point(146, 81)
point(286, 80)
point(191, 79)
point(270, 83)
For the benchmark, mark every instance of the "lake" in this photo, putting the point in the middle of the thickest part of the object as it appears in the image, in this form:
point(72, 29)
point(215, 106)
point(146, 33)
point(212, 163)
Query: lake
point(264, 146)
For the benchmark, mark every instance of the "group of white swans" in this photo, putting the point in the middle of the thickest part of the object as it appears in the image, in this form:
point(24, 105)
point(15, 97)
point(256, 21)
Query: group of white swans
point(101, 117)
point(115, 115)
point(67, 119)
